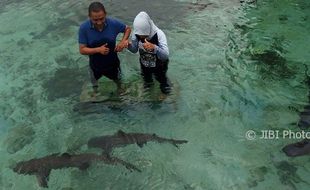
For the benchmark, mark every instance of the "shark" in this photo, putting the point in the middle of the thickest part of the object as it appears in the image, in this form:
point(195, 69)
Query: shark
point(120, 139)
point(297, 149)
point(41, 167)
point(304, 116)
point(302, 147)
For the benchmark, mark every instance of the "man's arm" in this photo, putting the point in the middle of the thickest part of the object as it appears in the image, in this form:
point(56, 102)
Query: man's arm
point(162, 49)
point(133, 45)
point(124, 42)
point(84, 50)
point(126, 33)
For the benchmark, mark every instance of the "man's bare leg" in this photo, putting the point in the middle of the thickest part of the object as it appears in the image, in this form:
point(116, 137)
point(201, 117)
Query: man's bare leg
point(94, 83)
point(120, 87)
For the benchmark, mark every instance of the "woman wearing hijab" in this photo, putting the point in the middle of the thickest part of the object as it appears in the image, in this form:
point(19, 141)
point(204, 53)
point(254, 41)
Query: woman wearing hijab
point(153, 49)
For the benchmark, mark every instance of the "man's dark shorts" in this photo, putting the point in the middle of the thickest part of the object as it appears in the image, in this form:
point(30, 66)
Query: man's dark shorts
point(112, 71)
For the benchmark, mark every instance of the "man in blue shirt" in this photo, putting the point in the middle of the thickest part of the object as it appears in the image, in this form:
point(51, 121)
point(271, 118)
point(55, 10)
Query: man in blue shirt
point(97, 38)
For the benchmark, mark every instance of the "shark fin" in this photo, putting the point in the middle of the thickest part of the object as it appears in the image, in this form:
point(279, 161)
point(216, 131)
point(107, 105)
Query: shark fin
point(84, 166)
point(155, 137)
point(121, 133)
point(66, 155)
point(42, 177)
point(140, 144)
point(106, 155)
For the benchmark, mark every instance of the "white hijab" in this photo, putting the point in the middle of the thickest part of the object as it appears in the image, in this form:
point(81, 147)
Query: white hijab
point(143, 25)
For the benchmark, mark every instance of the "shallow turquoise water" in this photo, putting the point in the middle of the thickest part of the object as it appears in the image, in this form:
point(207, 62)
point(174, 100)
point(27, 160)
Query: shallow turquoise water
point(221, 93)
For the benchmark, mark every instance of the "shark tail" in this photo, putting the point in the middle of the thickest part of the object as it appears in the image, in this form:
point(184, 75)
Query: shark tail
point(128, 165)
point(177, 142)
point(171, 141)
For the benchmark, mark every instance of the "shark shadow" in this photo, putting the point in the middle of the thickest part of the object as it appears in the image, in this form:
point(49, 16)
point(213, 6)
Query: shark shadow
point(302, 147)
point(120, 139)
point(297, 149)
point(304, 121)
point(41, 167)
point(304, 118)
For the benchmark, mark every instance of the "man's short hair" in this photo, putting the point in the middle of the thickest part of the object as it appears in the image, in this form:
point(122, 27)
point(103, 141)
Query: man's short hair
point(96, 7)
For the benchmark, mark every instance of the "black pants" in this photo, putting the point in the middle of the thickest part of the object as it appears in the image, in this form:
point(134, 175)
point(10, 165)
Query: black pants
point(113, 72)
point(160, 75)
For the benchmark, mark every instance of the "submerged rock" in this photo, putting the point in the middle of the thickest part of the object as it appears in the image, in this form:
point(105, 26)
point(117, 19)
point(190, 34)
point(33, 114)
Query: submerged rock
point(248, 1)
point(161, 15)
point(269, 57)
point(273, 64)
point(64, 83)
point(244, 28)
point(18, 138)
point(198, 6)
point(288, 174)
point(283, 18)
point(257, 175)
point(59, 27)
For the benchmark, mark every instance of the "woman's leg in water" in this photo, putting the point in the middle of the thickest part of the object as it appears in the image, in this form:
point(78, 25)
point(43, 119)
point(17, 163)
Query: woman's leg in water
point(161, 76)
point(147, 73)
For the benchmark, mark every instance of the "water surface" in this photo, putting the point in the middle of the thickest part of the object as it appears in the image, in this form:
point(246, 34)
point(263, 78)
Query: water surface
point(225, 86)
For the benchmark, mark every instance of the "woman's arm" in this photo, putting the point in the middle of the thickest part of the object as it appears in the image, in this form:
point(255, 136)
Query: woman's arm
point(162, 49)
point(133, 45)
